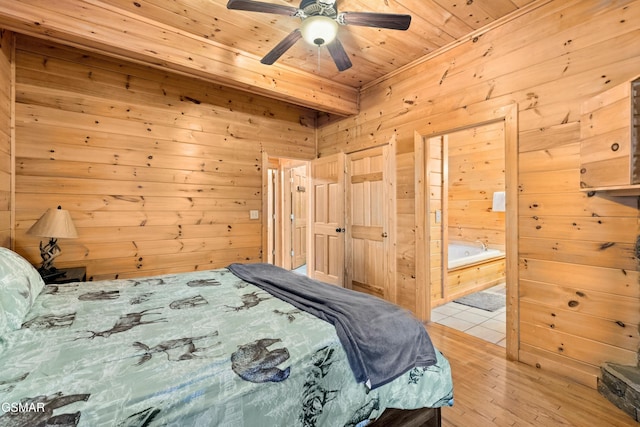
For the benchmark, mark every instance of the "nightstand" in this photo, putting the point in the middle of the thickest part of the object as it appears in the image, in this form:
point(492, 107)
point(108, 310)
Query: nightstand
point(74, 274)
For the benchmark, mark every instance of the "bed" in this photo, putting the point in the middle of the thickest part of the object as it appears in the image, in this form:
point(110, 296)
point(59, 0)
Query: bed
point(205, 348)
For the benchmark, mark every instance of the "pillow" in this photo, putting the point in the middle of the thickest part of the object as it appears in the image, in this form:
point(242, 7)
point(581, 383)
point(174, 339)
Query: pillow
point(20, 284)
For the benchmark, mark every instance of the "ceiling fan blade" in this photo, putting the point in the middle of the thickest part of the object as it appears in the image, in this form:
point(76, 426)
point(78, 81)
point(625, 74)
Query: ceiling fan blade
point(339, 55)
point(258, 6)
point(392, 21)
point(281, 47)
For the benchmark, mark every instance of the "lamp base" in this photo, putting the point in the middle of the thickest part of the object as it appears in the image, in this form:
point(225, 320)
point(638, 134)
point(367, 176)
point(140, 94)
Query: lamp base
point(50, 273)
point(49, 253)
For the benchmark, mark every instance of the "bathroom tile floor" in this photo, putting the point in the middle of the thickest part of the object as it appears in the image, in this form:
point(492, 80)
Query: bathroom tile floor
point(487, 325)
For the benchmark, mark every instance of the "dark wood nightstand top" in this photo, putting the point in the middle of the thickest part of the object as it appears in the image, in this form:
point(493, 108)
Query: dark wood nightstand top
point(74, 274)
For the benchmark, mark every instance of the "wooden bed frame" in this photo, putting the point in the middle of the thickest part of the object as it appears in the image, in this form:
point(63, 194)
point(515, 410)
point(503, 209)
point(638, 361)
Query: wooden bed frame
point(424, 417)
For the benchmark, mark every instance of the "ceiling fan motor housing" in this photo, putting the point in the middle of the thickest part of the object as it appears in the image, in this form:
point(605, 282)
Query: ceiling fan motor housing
point(319, 7)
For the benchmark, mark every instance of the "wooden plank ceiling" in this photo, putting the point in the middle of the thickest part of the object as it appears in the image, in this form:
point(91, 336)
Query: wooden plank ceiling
point(205, 39)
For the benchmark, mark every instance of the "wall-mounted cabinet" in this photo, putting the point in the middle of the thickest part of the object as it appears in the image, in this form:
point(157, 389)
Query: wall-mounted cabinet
point(609, 133)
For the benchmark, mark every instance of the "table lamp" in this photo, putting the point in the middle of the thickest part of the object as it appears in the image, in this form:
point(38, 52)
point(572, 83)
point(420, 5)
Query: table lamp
point(55, 224)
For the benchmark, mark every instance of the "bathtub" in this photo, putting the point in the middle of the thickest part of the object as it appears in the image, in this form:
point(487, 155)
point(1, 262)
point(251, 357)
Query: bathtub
point(470, 269)
point(461, 254)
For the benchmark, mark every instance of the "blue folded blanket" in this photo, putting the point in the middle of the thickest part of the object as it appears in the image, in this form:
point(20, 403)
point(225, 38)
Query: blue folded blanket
point(382, 340)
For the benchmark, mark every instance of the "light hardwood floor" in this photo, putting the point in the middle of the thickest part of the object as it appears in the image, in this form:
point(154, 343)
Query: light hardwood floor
point(492, 391)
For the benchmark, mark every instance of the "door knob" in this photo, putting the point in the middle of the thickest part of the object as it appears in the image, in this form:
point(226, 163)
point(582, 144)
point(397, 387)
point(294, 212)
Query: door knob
point(340, 230)
point(384, 234)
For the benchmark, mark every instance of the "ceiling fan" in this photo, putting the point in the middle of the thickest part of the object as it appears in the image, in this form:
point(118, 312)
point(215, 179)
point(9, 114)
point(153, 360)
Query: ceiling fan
point(320, 20)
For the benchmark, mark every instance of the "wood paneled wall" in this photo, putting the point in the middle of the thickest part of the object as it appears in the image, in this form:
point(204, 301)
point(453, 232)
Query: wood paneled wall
point(476, 166)
point(159, 171)
point(579, 294)
point(6, 81)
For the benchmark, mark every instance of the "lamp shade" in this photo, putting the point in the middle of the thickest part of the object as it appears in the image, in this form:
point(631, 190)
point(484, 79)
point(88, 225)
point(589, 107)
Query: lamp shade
point(55, 223)
point(319, 30)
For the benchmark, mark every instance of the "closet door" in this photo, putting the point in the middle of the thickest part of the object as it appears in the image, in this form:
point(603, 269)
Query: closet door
point(326, 260)
point(370, 227)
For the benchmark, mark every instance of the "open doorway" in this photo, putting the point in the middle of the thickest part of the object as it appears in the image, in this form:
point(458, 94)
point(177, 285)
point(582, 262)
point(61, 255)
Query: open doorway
point(287, 201)
point(430, 270)
point(469, 234)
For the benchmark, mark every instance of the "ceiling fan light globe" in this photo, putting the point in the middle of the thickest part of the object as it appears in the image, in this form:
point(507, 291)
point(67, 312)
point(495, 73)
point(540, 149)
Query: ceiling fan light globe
point(319, 30)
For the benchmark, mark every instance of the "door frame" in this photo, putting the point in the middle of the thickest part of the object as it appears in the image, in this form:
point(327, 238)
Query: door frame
point(448, 123)
point(297, 198)
point(281, 227)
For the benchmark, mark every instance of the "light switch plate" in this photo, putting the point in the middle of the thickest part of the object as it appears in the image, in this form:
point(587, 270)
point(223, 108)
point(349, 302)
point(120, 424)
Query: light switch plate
point(253, 214)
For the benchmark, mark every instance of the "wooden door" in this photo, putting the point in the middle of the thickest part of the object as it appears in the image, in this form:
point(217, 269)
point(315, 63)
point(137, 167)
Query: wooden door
point(370, 229)
point(299, 216)
point(326, 260)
